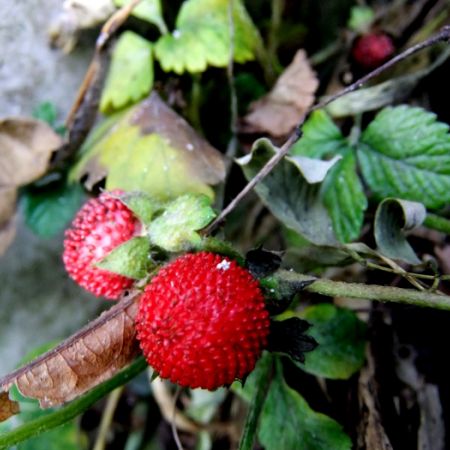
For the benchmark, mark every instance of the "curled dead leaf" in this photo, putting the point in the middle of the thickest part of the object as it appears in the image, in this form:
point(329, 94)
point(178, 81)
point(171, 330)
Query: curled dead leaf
point(7, 407)
point(26, 147)
point(91, 356)
point(278, 112)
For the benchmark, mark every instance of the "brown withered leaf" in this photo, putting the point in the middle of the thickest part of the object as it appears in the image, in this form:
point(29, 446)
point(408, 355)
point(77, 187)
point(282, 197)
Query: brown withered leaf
point(8, 197)
point(152, 149)
point(26, 147)
point(278, 112)
point(91, 356)
point(7, 407)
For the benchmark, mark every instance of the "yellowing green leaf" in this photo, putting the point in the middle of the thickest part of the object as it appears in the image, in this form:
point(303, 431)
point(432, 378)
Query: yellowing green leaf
point(130, 75)
point(202, 37)
point(153, 150)
point(175, 229)
point(149, 10)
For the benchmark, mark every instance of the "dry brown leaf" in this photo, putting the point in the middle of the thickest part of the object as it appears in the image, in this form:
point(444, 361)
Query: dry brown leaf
point(26, 147)
point(7, 407)
point(278, 112)
point(8, 198)
point(91, 356)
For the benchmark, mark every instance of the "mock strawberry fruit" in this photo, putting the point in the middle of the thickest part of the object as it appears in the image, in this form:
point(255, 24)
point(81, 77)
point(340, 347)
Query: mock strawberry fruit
point(372, 50)
point(202, 321)
point(101, 225)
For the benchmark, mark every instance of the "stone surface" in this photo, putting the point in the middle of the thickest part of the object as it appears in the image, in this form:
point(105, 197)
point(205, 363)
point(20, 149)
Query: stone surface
point(30, 71)
point(38, 302)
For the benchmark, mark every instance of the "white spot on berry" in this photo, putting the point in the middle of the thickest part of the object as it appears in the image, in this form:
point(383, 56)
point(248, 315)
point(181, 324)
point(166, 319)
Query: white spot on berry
point(189, 147)
point(176, 34)
point(223, 265)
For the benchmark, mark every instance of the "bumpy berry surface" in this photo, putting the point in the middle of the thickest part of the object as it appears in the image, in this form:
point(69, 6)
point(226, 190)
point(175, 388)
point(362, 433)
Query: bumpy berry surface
point(371, 50)
point(202, 321)
point(100, 226)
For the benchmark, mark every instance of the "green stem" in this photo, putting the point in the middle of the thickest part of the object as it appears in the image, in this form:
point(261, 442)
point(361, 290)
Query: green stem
point(437, 223)
point(73, 409)
point(368, 291)
point(262, 387)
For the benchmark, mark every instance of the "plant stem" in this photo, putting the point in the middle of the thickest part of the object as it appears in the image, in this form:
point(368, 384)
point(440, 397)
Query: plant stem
point(256, 405)
point(73, 409)
point(108, 414)
point(368, 291)
point(437, 223)
point(442, 36)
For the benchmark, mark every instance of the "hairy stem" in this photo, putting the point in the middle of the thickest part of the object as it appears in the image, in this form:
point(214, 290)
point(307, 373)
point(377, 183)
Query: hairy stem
point(361, 291)
point(73, 409)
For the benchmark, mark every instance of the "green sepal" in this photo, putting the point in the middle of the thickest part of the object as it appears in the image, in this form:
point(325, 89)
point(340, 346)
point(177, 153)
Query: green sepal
point(131, 259)
point(142, 205)
point(175, 230)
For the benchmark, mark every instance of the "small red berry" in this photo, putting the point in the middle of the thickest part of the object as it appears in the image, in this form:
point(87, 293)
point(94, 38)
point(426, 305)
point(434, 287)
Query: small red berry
point(371, 50)
point(101, 225)
point(202, 321)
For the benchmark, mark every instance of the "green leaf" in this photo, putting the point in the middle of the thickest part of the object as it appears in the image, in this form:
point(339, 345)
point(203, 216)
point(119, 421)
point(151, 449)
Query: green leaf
point(287, 422)
point(392, 219)
point(175, 229)
point(361, 17)
point(149, 10)
point(341, 338)
point(130, 75)
point(287, 194)
point(48, 209)
point(202, 37)
point(151, 149)
point(405, 153)
point(130, 259)
point(344, 198)
point(46, 111)
point(342, 192)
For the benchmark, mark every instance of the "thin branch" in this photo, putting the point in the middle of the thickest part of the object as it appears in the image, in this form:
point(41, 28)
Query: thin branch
point(442, 36)
point(107, 418)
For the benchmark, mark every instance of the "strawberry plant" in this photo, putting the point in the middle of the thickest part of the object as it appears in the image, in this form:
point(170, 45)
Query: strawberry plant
point(262, 226)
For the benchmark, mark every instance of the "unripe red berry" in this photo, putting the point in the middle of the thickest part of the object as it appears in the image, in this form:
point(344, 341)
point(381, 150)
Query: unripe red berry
point(371, 50)
point(202, 321)
point(101, 225)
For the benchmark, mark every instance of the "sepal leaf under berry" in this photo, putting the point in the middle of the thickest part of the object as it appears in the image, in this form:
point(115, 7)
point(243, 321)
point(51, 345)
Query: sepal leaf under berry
point(392, 219)
point(143, 206)
point(175, 230)
point(288, 336)
point(130, 259)
point(262, 263)
point(280, 288)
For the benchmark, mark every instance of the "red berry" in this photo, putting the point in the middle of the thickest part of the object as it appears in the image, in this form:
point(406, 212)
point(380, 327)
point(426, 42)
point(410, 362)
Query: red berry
point(371, 50)
point(202, 321)
point(101, 225)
